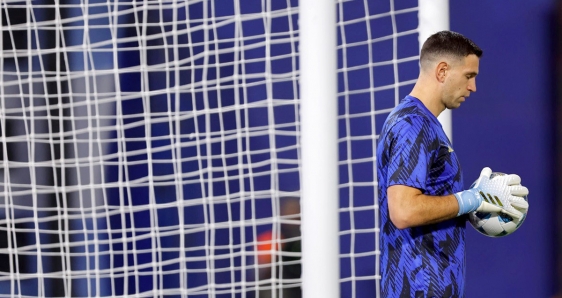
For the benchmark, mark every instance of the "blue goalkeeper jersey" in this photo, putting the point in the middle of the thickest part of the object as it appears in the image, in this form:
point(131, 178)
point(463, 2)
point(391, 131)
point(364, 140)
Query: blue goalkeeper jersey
point(426, 261)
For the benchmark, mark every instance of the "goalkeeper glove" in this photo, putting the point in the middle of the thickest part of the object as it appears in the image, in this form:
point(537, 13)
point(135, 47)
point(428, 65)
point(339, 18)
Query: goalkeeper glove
point(502, 193)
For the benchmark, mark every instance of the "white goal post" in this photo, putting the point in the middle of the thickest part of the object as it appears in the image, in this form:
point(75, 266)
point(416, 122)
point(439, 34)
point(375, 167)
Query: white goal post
point(319, 138)
point(165, 148)
point(434, 17)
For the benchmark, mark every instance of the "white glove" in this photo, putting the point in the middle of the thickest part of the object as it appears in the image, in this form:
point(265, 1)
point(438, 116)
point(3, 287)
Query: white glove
point(501, 193)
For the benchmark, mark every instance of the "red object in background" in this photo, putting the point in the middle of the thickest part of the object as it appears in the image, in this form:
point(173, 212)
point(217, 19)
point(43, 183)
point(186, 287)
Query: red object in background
point(264, 248)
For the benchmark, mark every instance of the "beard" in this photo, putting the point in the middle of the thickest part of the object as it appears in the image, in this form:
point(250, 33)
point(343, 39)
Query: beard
point(453, 103)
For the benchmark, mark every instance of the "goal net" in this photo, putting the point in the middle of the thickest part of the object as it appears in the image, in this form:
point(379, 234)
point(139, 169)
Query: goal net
point(151, 148)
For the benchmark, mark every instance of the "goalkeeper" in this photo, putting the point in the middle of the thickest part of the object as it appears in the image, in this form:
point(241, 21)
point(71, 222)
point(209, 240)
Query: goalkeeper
point(422, 203)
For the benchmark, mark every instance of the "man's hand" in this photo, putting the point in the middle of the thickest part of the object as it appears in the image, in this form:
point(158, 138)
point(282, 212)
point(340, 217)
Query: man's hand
point(502, 193)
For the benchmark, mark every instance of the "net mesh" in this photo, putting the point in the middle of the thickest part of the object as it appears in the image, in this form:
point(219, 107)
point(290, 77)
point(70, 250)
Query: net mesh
point(152, 148)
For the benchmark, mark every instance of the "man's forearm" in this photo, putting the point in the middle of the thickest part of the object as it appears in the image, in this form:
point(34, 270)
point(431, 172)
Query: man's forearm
point(408, 207)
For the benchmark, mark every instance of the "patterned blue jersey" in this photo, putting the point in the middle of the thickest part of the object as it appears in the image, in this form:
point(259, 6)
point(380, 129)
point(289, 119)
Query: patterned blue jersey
point(426, 261)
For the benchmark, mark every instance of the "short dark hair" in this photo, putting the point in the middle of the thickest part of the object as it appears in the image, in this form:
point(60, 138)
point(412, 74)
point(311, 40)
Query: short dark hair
point(448, 43)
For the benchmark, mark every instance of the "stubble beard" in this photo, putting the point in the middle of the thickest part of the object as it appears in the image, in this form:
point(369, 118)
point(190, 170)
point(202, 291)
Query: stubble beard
point(451, 105)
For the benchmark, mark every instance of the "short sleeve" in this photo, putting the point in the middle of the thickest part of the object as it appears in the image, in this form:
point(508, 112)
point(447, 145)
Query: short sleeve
point(410, 150)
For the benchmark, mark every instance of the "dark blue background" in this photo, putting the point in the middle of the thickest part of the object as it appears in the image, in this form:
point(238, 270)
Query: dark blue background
point(508, 125)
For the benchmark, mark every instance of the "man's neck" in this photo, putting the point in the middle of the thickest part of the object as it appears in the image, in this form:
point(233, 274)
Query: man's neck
point(429, 97)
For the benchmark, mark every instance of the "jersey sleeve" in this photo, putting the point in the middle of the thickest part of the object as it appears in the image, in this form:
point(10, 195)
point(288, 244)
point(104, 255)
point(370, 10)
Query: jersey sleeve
point(411, 144)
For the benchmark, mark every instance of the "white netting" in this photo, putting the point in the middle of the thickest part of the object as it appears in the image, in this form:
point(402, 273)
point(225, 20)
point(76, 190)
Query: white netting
point(152, 148)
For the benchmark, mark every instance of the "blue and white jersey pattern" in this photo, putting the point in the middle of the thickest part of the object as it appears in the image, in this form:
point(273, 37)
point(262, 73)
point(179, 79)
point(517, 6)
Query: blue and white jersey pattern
point(426, 261)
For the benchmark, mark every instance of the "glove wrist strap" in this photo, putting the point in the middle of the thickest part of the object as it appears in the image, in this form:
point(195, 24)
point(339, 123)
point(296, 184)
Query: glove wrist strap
point(468, 200)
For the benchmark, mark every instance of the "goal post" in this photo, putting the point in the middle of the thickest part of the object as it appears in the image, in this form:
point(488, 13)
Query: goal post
point(434, 17)
point(319, 135)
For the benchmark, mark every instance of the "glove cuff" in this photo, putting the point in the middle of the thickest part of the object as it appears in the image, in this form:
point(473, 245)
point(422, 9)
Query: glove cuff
point(468, 200)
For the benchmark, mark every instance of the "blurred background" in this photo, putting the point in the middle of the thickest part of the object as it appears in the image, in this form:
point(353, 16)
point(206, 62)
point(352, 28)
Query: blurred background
point(512, 124)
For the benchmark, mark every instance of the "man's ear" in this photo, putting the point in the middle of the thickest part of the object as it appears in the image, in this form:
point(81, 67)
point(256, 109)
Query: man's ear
point(441, 71)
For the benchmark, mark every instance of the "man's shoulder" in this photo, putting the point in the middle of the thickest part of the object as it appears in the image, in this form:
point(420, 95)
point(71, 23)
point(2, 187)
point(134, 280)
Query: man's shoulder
point(407, 115)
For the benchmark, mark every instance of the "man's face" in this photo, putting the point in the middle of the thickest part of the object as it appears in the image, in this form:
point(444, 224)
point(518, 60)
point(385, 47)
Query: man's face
point(460, 81)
